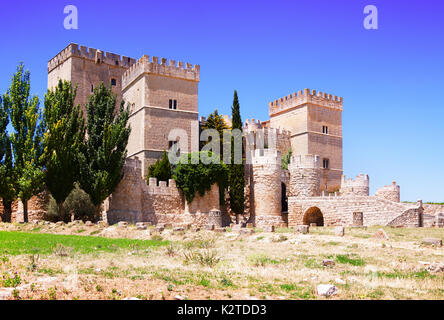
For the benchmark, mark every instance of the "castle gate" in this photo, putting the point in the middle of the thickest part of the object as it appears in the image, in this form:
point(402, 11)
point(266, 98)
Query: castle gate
point(314, 215)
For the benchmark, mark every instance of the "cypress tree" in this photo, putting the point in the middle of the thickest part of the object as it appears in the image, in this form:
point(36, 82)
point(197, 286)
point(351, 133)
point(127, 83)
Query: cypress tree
point(236, 171)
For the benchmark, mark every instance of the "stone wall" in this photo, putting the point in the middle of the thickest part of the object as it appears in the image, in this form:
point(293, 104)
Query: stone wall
point(157, 202)
point(37, 207)
point(391, 192)
point(338, 211)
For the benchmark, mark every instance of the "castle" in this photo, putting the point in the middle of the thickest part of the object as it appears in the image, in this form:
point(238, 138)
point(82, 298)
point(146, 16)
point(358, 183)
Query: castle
point(163, 95)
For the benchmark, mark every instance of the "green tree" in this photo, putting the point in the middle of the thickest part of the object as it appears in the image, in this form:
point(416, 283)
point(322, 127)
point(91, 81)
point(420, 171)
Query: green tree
point(104, 151)
point(62, 140)
point(237, 171)
point(194, 178)
point(216, 121)
point(7, 191)
point(26, 137)
point(161, 169)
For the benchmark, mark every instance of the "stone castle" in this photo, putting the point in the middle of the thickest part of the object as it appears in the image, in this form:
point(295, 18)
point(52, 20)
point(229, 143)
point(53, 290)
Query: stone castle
point(163, 95)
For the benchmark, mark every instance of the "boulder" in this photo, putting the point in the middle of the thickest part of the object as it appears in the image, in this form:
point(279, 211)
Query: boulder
point(304, 229)
point(89, 224)
point(326, 290)
point(122, 224)
point(381, 234)
point(269, 228)
point(141, 226)
point(328, 263)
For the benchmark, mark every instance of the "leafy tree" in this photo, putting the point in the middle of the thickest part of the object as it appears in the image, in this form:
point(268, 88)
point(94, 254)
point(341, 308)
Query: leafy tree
point(286, 160)
point(216, 121)
point(26, 137)
point(7, 191)
point(237, 171)
point(103, 154)
point(161, 169)
point(63, 140)
point(194, 178)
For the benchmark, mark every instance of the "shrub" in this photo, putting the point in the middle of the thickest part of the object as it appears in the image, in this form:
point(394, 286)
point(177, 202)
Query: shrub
point(78, 203)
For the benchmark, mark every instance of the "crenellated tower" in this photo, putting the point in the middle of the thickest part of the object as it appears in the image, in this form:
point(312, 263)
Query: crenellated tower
point(315, 121)
point(305, 176)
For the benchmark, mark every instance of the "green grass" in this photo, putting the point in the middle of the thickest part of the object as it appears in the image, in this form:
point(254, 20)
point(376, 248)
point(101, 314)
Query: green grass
point(347, 259)
point(16, 243)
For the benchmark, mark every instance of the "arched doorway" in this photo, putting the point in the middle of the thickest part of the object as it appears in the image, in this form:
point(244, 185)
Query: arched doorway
point(314, 215)
point(284, 198)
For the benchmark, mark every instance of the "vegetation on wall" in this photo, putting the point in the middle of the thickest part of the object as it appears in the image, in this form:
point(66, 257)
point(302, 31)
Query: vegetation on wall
point(161, 169)
point(215, 121)
point(286, 160)
point(198, 178)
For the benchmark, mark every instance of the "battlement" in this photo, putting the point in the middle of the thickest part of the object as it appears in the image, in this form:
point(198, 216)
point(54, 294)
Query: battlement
point(391, 192)
point(306, 161)
point(155, 187)
point(171, 69)
point(266, 156)
point(99, 56)
point(305, 96)
point(360, 180)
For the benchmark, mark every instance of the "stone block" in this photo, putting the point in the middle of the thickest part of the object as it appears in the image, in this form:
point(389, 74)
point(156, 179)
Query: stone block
point(268, 228)
point(326, 290)
point(141, 226)
point(102, 224)
point(432, 242)
point(328, 263)
point(159, 229)
point(89, 224)
point(339, 231)
point(304, 229)
point(246, 231)
point(122, 224)
point(221, 230)
point(209, 227)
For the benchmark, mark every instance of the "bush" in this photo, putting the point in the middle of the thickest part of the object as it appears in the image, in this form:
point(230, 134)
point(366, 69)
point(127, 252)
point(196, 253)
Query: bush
point(78, 203)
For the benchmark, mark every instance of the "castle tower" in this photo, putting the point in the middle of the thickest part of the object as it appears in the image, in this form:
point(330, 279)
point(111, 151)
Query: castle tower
point(87, 68)
point(305, 176)
point(315, 121)
point(391, 192)
point(266, 188)
point(163, 96)
point(358, 187)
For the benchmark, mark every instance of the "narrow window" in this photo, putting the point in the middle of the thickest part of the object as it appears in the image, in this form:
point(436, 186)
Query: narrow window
point(175, 104)
point(117, 63)
point(171, 104)
point(92, 88)
point(325, 163)
point(113, 82)
point(325, 129)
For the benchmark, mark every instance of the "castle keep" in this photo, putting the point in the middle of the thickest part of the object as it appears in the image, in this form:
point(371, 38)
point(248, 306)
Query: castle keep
point(163, 96)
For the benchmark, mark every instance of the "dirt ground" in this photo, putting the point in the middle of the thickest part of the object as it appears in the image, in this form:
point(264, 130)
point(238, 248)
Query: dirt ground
point(210, 265)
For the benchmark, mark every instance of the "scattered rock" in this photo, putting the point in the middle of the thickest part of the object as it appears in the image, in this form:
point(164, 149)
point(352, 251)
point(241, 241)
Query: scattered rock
point(35, 221)
point(179, 297)
point(269, 228)
point(102, 224)
point(340, 281)
point(432, 242)
point(89, 224)
point(196, 229)
point(381, 234)
point(209, 227)
point(245, 231)
point(221, 230)
point(435, 267)
point(328, 263)
point(326, 290)
point(141, 226)
point(339, 231)
point(60, 223)
point(304, 229)
point(160, 229)
point(178, 229)
point(122, 224)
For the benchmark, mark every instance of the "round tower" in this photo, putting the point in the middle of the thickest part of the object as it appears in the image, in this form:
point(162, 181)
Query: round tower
point(305, 176)
point(392, 192)
point(267, 189)
point(358, 187)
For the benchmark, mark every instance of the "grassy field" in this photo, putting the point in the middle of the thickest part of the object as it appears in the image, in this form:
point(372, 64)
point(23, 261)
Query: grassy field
point(54, 262)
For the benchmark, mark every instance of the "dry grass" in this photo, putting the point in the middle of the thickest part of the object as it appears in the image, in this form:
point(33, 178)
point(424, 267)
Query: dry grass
point(206, 265)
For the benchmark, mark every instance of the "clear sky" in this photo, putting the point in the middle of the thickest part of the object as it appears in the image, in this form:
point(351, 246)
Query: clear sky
point(392, 79)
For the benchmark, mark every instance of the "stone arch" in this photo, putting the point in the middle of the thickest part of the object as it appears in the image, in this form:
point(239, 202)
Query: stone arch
point(284, 198)
point(314, 215)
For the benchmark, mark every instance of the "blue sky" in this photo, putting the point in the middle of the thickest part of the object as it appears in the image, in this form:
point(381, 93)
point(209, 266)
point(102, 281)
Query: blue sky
point(392, 79)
